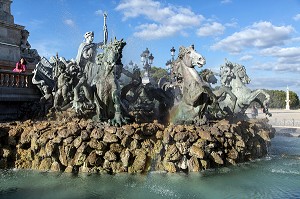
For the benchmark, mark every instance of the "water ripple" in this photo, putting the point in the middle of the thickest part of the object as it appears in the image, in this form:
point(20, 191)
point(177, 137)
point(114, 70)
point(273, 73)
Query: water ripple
point(163, 191)
point(282, 171)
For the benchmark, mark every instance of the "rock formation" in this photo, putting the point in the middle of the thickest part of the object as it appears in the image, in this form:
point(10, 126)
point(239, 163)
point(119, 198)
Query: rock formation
point(70, 144)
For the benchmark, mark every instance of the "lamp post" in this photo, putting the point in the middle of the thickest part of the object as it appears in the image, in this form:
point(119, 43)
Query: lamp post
point(169, 68)
point(147, 60)
point(172, 53)
point(171, 63)
point(135, 66)
point(130, 63)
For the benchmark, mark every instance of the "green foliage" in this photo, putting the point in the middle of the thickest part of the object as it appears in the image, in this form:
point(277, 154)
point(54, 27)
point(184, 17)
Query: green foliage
point(294, 103)
point(278, 97)
point(157, 73)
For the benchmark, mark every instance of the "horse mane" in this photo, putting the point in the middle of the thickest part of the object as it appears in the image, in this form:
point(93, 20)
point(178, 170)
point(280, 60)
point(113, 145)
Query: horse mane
point(176, 63)
point(115, 46)
point(235, 68)
point(234, 65)
point(182, 51)
point(205, 74)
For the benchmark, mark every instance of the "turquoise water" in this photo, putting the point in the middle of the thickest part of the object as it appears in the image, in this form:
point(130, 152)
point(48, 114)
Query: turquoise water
point(276, 176)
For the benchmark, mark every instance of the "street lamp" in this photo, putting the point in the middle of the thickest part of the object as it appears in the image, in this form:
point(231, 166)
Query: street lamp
point(151, 59)
point(171, 63)
point(146, 52)
point(147, 60)
point(172, 53)
point(130, 63)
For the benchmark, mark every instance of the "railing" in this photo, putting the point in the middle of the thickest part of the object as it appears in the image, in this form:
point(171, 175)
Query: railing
point(17, 87)
point(285, 122)
point(15, 79)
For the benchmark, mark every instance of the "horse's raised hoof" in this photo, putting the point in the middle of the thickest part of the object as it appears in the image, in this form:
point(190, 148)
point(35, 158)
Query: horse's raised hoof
point(118, 120)
point(270, 114)
point(90, 106)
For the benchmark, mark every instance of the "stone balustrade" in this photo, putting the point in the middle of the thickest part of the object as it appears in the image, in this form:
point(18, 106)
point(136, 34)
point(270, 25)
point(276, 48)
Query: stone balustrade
point(15, 80)
point(285, 122)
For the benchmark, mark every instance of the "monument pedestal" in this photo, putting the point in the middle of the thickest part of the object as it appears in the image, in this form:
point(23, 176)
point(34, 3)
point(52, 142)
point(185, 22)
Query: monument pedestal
point(11, 38)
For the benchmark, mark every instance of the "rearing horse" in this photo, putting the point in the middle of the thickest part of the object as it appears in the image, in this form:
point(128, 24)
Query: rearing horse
point(196, 93)
point(235, 77)
point(107, 96)
point(220, 92)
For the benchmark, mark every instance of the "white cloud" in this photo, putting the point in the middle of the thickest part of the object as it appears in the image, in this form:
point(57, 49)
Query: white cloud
point(272, 66)
point(297, 17)
point(69, 22)
point(226, 1)
point(233, 24)
point(212, 29)
point(259, 35)
point(154, 31)
point(280, 59)
point(246, 58)
point(272, 83)
point(291, 52)
point(99, 12)
point(287, 59)
point(135, 8)
point(164, 20)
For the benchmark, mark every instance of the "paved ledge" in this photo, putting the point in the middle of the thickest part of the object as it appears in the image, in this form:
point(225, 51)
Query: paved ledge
point(19, 94)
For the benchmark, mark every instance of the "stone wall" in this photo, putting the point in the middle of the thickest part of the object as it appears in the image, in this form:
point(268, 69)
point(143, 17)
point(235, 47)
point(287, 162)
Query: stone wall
point(79, 145)
point(10, 38)
point(5, 12)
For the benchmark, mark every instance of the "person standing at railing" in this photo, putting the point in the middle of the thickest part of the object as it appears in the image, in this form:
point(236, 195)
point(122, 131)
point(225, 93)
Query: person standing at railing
point(254, 112)
point(21, 65)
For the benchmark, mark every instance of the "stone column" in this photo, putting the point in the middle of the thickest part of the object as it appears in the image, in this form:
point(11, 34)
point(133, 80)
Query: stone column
point(5, 13)
point(287, 106)
point(10, 37)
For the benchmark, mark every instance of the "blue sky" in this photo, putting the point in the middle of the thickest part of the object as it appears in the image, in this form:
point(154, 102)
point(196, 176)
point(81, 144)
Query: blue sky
point(263, 35)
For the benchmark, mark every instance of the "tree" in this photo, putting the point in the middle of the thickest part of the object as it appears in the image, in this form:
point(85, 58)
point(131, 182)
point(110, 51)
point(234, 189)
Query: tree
point(157, 73)
point(294, 100)
point(278, 97)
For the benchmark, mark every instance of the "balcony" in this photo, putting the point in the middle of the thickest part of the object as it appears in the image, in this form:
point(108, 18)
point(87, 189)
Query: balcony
point(17, 87)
